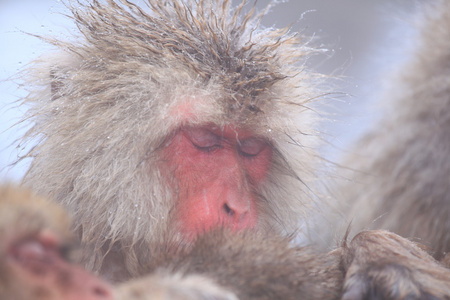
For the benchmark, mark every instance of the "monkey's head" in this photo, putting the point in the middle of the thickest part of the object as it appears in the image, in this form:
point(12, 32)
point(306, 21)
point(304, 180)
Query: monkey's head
point(186, 116)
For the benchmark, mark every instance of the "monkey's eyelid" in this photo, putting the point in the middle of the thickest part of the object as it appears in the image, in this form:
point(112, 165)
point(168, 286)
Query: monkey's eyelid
point(209, 148)
point(31, 249)
point(203, 138)
point(252, 146)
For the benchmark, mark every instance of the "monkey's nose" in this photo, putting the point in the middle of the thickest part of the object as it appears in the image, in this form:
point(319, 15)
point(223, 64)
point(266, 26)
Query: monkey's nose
point(236, 211)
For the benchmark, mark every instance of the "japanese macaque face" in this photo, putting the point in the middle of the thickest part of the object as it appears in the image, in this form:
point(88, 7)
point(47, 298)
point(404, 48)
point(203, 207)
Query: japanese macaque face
point(219, 171)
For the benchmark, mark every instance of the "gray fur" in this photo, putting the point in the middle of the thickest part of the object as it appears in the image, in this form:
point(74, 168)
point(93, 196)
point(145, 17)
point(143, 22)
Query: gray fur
point(103, 113)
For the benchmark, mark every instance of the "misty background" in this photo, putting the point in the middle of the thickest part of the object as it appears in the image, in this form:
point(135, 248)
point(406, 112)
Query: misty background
point(362, 40)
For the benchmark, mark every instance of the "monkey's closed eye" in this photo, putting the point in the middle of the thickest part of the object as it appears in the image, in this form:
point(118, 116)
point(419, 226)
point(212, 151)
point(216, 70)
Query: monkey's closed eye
point(203, 139)
point(35, 255)
point(252, 146)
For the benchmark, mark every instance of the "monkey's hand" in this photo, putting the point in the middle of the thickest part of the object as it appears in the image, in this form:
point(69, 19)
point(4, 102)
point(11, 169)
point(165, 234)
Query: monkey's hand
point(162, 286)
point(383, 265)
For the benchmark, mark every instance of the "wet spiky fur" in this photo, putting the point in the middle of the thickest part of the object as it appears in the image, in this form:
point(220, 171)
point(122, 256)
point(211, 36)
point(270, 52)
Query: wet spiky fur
point(104, 105)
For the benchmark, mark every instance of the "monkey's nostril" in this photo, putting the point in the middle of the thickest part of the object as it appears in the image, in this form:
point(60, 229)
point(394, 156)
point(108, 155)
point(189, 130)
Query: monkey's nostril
point(101, 292)
point(228, 210)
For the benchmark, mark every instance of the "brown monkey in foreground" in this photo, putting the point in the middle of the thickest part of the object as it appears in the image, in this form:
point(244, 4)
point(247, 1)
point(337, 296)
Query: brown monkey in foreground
point(35, 240)
point(34, 235)
point(174, 122)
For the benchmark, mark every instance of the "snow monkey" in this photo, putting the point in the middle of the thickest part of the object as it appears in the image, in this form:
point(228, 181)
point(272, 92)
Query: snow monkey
point(401, 168)
point(187, 117)
point(34, 238)
point(176, 118)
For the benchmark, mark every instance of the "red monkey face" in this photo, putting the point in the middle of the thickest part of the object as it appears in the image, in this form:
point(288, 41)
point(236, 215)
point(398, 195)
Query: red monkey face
point(218, 171)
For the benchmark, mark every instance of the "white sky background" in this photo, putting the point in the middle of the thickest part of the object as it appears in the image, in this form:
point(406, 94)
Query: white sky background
point(365, 37)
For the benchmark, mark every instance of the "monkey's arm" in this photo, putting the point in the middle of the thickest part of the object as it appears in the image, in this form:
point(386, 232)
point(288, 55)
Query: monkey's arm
point(382, 265)
point(247, 264)
point(221, 265)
